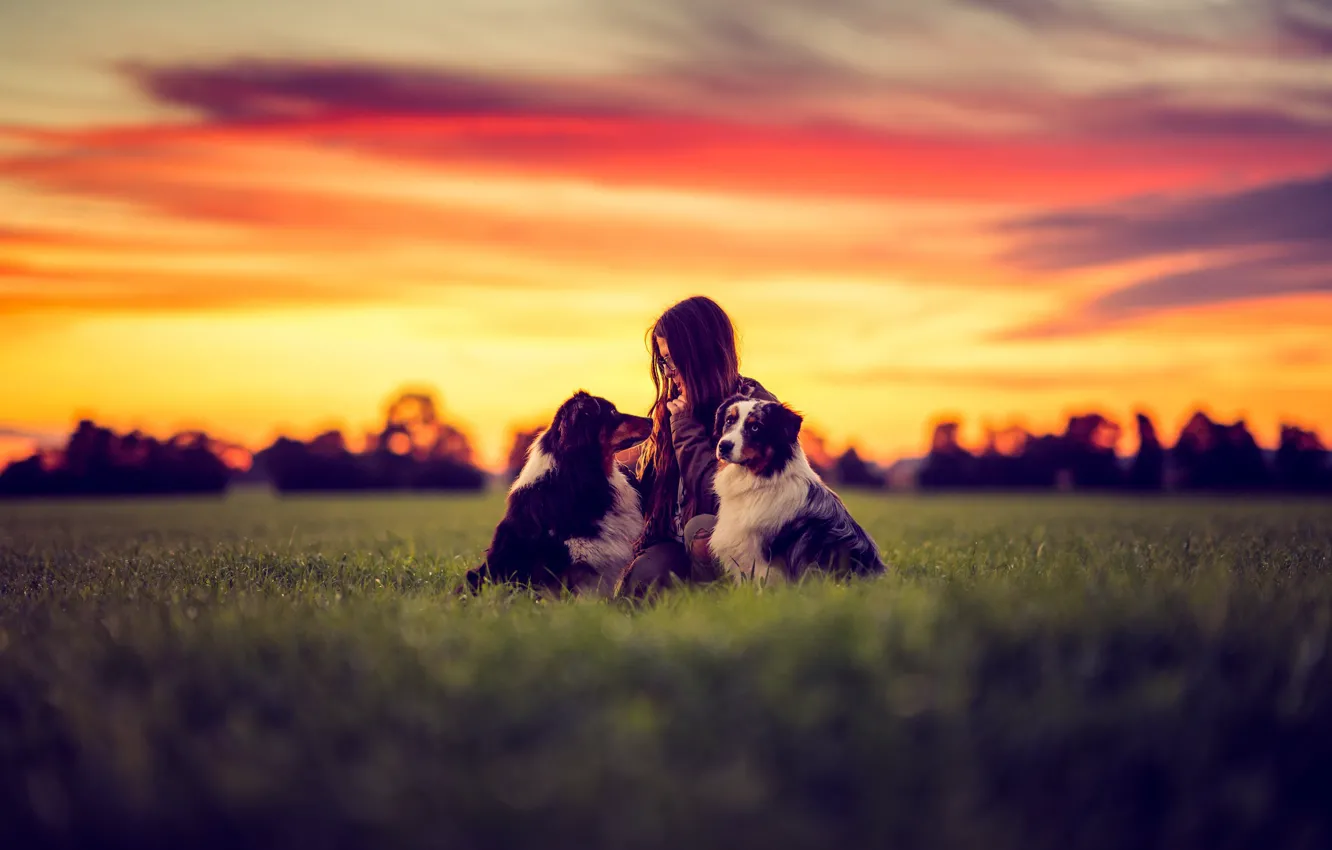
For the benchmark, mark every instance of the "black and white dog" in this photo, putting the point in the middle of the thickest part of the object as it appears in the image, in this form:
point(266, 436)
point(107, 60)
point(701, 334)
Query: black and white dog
point(572, 515)
point(776, 518)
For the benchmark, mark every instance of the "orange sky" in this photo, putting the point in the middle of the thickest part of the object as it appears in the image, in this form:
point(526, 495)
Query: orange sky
point(267, 221)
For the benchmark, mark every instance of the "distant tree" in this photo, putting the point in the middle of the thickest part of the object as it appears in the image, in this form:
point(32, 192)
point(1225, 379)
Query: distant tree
point(1148, 470)
point(850, 470)
point(324, 463)
point(1089, 444)
point(1043, 462)
point(1004, 462)
point(1302, 461)
point(415, 450)
point(1213, 456)
point(948, 465)
point(416, 415)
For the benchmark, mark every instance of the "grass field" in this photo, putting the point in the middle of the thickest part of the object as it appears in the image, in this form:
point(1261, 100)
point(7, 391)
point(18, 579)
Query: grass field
point(1035, 672)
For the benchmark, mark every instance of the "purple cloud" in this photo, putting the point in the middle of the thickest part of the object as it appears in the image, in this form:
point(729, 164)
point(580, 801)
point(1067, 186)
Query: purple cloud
point(1280, 275)
point(1209, 285)
point(1266, 241)
point(721, 62)
point(245, 90)
point(1290, 214)
point(1212, 284)
point(1158, 113)
point(1274, 26)
point(1304, 22)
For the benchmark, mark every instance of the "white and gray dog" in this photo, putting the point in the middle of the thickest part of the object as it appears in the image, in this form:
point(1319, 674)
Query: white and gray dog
point(776, 518)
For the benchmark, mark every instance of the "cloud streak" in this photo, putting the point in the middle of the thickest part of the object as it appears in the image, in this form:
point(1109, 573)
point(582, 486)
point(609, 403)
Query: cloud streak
point(274, 90)
point(1261, 242)
point(736, 74)
point(1273, 26)
point(1004, 380)
point(1207, 286)
point(1287, 213)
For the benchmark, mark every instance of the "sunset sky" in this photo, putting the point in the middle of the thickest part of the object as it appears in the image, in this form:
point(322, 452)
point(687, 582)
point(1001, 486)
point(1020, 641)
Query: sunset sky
point(261, 218)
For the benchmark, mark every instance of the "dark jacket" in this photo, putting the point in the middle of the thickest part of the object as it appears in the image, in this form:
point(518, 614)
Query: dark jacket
point(696, 454)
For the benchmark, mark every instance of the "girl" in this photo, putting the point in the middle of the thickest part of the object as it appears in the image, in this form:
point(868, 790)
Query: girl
point(695, 368)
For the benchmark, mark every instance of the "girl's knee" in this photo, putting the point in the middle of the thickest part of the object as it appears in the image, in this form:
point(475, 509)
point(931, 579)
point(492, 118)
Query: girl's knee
point(698, 534)
point(699, 526)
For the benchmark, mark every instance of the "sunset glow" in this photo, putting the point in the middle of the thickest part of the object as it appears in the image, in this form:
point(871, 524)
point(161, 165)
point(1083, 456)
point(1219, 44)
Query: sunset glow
point(271, 220)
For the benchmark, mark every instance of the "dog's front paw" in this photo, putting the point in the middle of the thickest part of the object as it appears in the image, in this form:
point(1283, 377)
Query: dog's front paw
point(473, 580)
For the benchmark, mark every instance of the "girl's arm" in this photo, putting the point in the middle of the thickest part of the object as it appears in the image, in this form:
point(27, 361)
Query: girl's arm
point(696, 456)
point(696, 451)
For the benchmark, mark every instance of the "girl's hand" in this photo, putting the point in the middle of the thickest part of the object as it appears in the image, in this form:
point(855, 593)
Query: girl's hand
point(680, 403)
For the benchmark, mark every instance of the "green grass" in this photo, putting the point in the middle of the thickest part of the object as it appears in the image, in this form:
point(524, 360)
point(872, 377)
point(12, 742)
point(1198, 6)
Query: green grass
point(1034, 672)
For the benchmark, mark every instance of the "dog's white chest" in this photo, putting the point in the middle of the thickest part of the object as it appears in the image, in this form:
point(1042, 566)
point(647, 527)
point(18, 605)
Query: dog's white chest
point(750, 511)
point(613, 547)
point(739, 550)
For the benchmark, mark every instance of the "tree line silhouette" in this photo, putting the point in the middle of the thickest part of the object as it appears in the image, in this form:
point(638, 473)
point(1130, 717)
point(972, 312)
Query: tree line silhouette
point(98, 462)
point(417, 450)
point(1207, 456)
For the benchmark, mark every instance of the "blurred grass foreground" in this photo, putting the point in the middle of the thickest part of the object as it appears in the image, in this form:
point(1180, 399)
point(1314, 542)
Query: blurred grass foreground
point(1033, 673)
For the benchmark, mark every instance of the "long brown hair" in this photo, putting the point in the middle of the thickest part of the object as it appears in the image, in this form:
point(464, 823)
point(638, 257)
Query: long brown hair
point(701, 339)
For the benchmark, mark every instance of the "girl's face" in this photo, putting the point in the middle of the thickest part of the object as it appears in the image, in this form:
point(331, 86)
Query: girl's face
point(667, 364)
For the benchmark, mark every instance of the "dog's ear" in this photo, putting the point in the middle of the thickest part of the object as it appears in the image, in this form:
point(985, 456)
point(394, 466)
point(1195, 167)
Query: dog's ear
point(788, 421)
point(550, 438)
point(719, 421)
point(566, 431)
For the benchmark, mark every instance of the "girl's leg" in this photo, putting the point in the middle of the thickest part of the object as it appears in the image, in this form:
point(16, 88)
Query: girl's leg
point(702, 566)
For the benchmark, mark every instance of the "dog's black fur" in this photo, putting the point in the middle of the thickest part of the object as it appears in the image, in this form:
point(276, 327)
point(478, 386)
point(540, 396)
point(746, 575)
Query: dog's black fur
point(825, 535)
point(571, 500)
